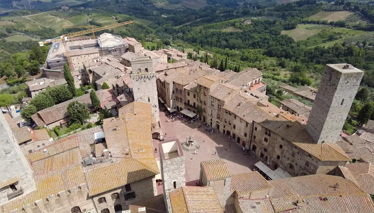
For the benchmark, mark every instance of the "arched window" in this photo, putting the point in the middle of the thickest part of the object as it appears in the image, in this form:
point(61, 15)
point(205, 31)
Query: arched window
point(76, 209)
point(175, 184)
point(115, 196)
point(101, 200)
point(146, 69)
point(105, 211)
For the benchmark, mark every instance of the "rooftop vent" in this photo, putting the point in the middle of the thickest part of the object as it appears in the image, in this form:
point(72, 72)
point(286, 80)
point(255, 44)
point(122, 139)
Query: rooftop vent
point(347, 66)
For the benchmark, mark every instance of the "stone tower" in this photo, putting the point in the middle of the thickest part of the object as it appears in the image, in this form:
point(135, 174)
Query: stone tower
point(172, 169)
point(143, 79)
point(16, 176)
point(339, 85)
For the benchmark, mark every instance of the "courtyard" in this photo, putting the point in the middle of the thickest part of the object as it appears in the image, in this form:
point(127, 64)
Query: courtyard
point(212, 146)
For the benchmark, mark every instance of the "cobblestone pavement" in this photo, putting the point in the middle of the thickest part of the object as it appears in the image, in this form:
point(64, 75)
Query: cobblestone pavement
point(212, 146)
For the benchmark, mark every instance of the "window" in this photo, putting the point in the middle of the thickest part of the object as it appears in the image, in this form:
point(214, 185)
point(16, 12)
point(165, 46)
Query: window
point(278, 157)
point(255, 128)
point(115, 196)
point(265, 139)
point(218, 116)
point(76, 209)
point(342, 102)
point(306, 163)
point(281, 146)
point(188, 93)
point(13, 187)
point(146, 69)
point(194, 96)
point(254, 137)
point(246, 124)
point(219, 106)
point(204, 103)
point(105, 211)
point(101, 200)
point(265, 150)
point(245, 134)
point(175, 184)
point(129, 195)
point(234, 126)
point(127, 187)
point(118, 208)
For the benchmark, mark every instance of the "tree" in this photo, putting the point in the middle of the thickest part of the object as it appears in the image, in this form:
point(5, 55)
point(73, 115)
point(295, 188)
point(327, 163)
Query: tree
point(28, 111)
point(214, 63)
point(105, 86)
point(206, 58)
point(20, 70)
point(33, 68)
point(77, 112)
point(60, 94)
point(221, 66)
point(362, 94)
point(69, 80)
point(6, 99)
point(42, 101)
point(36, 54)
point(104, 113)
point(226, 63)
point(94, 99)
point(365, 113)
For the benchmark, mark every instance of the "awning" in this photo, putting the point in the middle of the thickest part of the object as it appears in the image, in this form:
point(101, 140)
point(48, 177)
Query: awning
point(169, 109)
point(273, 175)
point(188, 113)
point(160, 99)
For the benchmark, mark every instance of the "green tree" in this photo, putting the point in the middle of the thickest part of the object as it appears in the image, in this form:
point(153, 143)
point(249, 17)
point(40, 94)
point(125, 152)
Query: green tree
point(362, 94)
point(214, 63)
point(60, 94)
point(105, 86)
point(33, 68)
point(206, 58)
point(226, 63)
point(77, 112)
point(94, 99)
point(69, 80)
point(104, 113)
point(365, 113)
point(6, 99)
point(36, 54)
point(221, 66)
point(42, 101)
point(28, 111)
point(20, 70)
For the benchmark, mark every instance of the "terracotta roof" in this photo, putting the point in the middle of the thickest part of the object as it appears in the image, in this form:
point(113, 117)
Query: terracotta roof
point(364, 175)
point(129, 133)
point(296, 133)
point(297, 106)
point(341, 195)
point(207, 81)
point(57, 162)
point(9, 182)
point(246, 183)
point(191, 199)
point(224, 92)
point(116, 175)
point(41, 134)
point(244, 77)
point(46, 185)
point(22, 135)
point(53, 149)
point(153, 205)
point(215, 169)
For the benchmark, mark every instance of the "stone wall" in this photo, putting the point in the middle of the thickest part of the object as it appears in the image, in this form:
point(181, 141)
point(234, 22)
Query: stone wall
point(13, 163)
point(172, 170)
point(333, 101)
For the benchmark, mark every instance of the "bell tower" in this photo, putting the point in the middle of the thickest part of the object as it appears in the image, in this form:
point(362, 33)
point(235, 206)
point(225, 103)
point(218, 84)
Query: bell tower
point(143, 79)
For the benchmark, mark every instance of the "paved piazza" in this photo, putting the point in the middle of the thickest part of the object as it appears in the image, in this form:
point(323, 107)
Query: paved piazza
point(217, 143)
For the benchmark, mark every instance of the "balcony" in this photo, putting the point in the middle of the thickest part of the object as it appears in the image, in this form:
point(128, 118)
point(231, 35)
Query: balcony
point(14, 194)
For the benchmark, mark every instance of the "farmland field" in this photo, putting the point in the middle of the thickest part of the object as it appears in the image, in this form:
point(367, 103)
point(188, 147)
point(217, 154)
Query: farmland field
point(304, 31)
point(331, 16)
point(19, 38)
point(47, 20)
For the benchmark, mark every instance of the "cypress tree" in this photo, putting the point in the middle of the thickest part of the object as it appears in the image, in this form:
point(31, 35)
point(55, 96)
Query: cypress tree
point(221, 66)
point(226, 63)
point(94, 99)
point(69, 80)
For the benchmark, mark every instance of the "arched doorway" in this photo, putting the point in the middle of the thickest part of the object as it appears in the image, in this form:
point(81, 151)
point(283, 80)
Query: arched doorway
point(228, 133)
point(233, 136)
point(238, 140)
point(118, 208)
point(254, 148)
point(291, 168)
point(105, 211)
